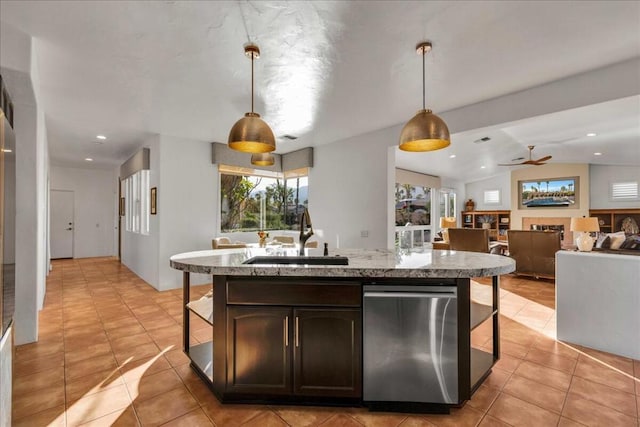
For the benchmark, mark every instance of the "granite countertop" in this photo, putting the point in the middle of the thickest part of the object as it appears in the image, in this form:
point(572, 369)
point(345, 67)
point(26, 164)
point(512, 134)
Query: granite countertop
point(416, 263)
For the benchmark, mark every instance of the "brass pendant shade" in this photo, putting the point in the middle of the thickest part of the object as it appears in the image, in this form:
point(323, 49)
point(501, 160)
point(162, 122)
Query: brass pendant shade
point(251, 134)
point(425, 131)
point(262, 159)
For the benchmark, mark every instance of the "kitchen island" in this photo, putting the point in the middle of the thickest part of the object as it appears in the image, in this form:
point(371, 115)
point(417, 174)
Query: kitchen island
point(393, 330)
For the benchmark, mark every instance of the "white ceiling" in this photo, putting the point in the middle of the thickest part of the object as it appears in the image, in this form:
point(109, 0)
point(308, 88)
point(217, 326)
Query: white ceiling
point(328, 71)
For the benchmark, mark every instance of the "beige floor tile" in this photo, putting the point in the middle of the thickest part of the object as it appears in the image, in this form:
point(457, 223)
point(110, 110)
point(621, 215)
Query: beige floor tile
point(483, 398)
point(591, 413)
point(551, 360)
point(120, 418)
point(517, 412)
point(543, 375)
point(97, 405)
point(165, 407)
point(93, 383)
point(151, 385)
point(304, 416)
point(600, 373)
point(489, 421)
point(194, 418)
point(89, 366)
point(266, 419)
point(605, 395)
point(31, 403)
point(464, 417)
point(341, 420)
point(538, 394)
point(53, 417)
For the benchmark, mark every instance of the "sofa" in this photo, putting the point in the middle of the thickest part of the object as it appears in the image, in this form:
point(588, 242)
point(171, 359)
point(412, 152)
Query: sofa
point(225, 243)
point(597, 299)
point(534, 252)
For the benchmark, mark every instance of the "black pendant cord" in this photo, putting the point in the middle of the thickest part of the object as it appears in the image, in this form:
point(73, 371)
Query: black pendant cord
point(252, 56)
point(423, 82)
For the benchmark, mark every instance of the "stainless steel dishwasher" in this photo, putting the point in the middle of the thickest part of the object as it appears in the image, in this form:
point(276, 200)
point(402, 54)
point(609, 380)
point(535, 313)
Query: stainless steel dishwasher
point(410, 344)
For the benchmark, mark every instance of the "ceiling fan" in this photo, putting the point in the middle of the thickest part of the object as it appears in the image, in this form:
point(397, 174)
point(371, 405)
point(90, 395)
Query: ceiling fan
point(531, 161)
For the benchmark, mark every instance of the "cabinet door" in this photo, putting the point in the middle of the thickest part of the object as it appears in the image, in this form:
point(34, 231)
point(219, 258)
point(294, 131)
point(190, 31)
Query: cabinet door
point(327, 352)
point(258, 350)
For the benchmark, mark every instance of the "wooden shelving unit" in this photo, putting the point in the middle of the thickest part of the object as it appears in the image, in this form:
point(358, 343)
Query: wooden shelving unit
point(501, 221)
point(611, 219)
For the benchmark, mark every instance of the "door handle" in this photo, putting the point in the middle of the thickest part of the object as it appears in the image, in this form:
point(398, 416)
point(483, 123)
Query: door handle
point(297, 333)
point(286, 331)
point(69, 228)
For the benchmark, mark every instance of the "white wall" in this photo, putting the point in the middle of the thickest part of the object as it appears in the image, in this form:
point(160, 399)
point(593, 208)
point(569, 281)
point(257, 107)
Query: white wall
point(475, 190)
point(187, 194)
point(601, 178)
point(349, 190)
point(549, 170)
point(18, 66)
point(187, 204)
point(94, 191)
point(139, 251)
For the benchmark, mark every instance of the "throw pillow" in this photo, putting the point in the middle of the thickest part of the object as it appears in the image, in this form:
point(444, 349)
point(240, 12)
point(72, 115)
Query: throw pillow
point(606, 243)
point(617, 239)
point(632, 242)
point(601, 239)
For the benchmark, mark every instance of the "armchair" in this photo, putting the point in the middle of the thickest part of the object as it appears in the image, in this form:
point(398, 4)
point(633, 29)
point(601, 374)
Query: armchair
point(534, 252)
point(469, 239)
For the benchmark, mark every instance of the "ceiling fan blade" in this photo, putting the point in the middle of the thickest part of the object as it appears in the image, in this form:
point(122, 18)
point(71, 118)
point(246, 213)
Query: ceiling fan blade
point(543, 159)
point(532, 162)
point(509, 164)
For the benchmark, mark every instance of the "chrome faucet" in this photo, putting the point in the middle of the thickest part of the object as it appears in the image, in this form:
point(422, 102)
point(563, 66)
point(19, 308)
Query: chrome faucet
point(306, 230)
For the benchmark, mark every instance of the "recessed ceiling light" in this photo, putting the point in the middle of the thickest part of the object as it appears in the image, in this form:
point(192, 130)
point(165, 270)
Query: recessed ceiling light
point(597, 154)
point(6, 150)
point(482, 167)
point(101, 137)
point(89, 159)
point(453, 156)
point(592, 134)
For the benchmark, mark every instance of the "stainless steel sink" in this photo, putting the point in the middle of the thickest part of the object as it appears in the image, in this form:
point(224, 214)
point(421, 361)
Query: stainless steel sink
point(309, 260)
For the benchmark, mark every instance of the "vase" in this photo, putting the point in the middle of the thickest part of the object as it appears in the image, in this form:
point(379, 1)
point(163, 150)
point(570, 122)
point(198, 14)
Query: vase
point(470, 205)
point(486, 226)
point(262, 242)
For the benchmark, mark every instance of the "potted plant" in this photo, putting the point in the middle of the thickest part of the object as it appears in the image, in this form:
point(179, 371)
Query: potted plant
point(486, 221)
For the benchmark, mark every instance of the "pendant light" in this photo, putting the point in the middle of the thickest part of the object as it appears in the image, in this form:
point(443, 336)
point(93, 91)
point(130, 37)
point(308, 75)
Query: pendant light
point(251, 134)
point(262, 159)
point(425, 131)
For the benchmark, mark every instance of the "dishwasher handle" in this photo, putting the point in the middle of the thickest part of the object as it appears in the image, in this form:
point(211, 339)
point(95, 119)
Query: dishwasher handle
point(410, 295)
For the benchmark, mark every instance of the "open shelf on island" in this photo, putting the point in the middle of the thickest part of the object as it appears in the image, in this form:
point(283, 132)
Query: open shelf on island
point(481, 363)
point(480, 313)
point(202, 356)
point(203, 308)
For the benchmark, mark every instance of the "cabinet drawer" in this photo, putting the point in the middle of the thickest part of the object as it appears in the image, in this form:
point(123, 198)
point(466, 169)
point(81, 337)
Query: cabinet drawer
point(275, 292)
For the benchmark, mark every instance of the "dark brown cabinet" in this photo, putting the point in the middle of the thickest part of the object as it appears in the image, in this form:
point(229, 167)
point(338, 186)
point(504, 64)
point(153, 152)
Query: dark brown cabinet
point(299, 351)
point(258, 350)
point(327, 352)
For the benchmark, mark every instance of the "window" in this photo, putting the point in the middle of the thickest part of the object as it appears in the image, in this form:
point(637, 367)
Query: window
point(492, 197)
point(447, 203)
point(136, 193)
point(624, 191)
point(252, 200)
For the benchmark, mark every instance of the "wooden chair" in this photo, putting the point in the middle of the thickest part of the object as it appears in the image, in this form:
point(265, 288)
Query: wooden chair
point(469, 239)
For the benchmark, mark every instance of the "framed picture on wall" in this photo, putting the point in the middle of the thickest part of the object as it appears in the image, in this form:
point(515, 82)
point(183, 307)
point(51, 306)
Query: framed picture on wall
point(549, 193)
point(154, 200)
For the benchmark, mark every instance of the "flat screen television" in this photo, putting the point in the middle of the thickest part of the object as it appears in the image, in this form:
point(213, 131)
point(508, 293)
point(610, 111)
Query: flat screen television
point(549, 193)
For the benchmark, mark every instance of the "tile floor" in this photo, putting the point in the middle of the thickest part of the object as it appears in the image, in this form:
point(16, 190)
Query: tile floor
point(109, 354)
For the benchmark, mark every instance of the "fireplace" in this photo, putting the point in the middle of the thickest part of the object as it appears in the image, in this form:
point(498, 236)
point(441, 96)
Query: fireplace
point(551, 223)
point(544, 227)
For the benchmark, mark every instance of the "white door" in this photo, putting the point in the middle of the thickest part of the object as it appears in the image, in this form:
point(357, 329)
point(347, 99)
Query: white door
point(61, 224)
